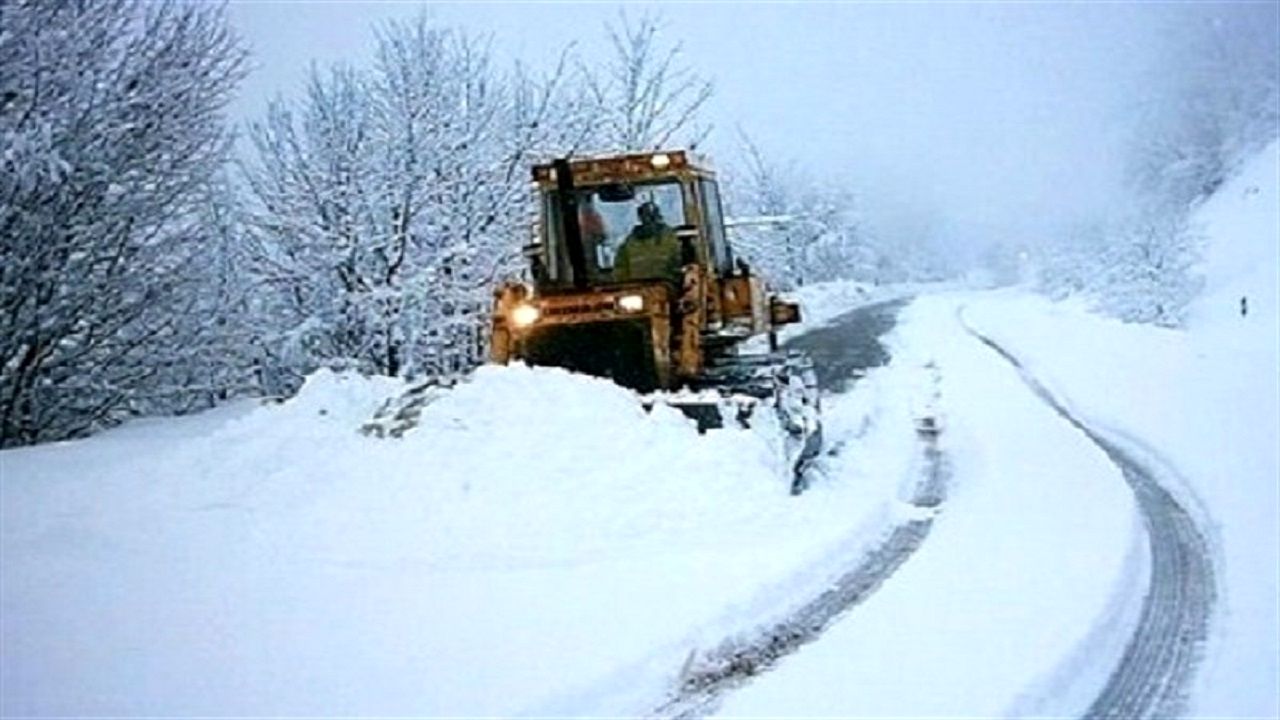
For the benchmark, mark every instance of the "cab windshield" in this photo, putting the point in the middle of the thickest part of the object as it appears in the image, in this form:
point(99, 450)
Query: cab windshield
point(607, 216)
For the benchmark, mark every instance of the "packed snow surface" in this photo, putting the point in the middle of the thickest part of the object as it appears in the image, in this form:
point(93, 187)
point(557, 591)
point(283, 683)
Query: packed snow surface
point(1020, 602)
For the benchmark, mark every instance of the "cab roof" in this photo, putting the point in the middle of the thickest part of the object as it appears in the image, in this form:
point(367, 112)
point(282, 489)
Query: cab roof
point(628, 167)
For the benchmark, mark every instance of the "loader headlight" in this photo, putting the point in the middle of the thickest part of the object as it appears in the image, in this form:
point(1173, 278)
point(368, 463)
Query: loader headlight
point(660, 161)
point(524, 315)
point(631, 303)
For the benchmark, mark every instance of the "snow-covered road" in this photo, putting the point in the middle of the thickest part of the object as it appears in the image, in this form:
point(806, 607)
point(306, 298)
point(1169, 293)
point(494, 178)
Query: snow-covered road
point(537, 544)
point(849, 345)
point(1024, 595)
point(844, 349)
point(1153, 677)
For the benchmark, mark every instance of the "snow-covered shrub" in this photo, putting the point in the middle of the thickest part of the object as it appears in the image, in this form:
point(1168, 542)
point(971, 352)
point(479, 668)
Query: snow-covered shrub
point(1141, 269)
point(1148, 271)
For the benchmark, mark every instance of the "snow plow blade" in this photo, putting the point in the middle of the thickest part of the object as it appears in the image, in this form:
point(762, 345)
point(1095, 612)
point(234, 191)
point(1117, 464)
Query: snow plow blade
point(774, 391)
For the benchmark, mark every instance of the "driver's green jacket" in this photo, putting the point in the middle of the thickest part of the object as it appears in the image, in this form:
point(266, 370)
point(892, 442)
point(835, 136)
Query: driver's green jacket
point(651, 255)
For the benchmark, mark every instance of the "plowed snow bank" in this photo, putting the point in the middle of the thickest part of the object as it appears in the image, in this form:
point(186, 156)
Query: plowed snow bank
point(538, 542)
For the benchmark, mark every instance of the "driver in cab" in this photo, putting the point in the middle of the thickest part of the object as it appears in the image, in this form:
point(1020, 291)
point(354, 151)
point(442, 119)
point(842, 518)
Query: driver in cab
point(651, 250)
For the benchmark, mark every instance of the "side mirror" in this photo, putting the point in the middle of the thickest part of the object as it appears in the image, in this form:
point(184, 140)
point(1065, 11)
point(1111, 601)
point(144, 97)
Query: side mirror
point(782, 312)
point(532, 254)
point(617, 192)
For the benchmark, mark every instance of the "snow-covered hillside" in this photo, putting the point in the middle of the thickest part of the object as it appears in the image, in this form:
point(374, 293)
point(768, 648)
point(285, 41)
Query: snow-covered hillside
point(1242, 258)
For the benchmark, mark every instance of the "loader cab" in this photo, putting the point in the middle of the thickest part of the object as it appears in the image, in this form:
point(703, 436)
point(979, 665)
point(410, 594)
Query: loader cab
point(607, 216)
point(605, 196)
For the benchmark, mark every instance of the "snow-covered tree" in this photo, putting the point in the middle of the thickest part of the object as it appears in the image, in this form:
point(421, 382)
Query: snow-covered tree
point(1148, 269)
point(389, 200)
point(644, 97)
point(807, 231)
point(110, 130)
point(230, 358)
point(1074, 263)
point(1140, 268)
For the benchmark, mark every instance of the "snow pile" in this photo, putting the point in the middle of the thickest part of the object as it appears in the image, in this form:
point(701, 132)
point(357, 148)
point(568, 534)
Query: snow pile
point(537, 542)
point(1206, 399)
point(329, 399)
point(557, 466)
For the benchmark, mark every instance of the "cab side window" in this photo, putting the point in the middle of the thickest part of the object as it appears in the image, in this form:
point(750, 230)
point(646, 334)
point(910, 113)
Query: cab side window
point(720, 254)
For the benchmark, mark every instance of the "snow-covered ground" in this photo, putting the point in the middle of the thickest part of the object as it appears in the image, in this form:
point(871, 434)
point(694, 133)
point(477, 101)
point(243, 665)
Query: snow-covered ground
point(540, 545)
point(537, 544)
point(1037, 544)
point(1208, 400)
point(1022, 598)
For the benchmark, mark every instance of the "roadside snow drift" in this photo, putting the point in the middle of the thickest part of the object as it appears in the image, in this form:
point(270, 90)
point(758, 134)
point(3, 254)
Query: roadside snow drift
point(538, 543)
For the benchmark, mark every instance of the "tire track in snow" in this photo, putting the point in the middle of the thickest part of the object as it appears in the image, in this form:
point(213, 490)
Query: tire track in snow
point(1154, 673)
point(705, 682)
point(844, 348)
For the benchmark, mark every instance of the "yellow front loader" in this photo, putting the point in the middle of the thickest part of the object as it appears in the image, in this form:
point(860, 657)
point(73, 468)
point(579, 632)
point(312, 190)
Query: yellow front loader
point(677, 324)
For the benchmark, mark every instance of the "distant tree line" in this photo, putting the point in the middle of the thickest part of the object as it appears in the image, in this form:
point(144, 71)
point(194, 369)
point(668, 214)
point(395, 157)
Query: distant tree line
point(798, 229)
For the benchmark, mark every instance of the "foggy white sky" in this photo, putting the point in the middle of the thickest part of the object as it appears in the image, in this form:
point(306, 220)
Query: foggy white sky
point(989, 121)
